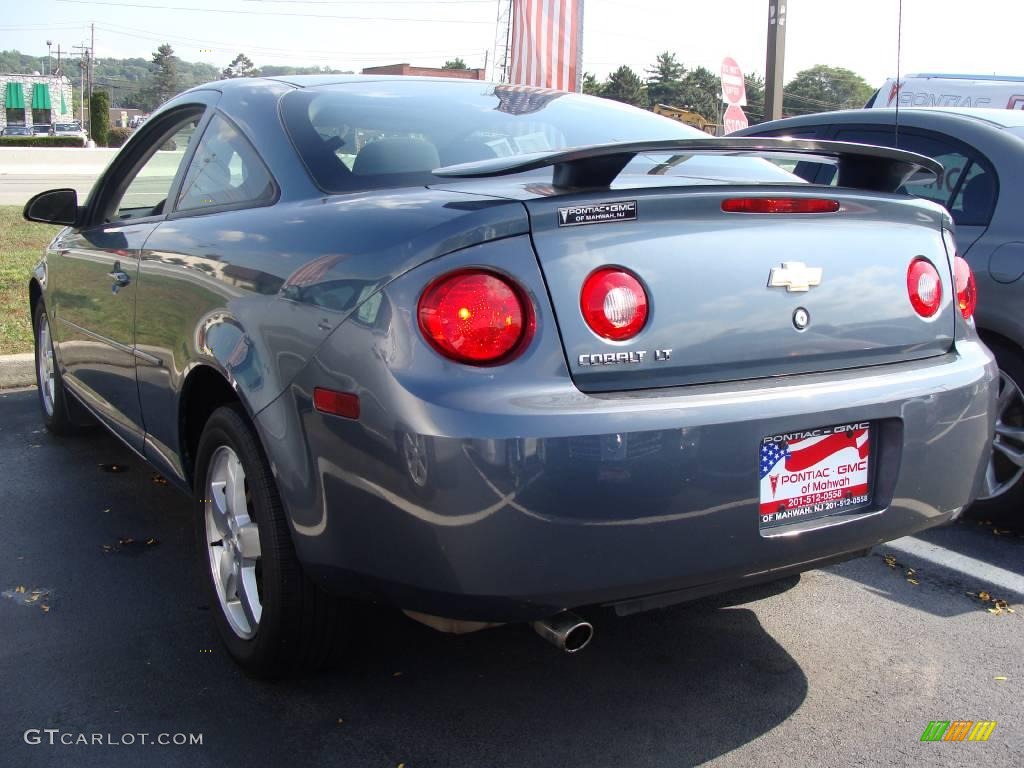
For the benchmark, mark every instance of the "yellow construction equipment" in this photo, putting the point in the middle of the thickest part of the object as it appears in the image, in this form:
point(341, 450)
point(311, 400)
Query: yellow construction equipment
point(686, 116)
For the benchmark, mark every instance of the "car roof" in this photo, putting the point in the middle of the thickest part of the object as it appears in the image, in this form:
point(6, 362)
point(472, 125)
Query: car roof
point(998, 118)
point(981, 78)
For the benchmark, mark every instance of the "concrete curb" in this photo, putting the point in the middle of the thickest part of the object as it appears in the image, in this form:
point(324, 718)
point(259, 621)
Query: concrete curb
point(17, 370)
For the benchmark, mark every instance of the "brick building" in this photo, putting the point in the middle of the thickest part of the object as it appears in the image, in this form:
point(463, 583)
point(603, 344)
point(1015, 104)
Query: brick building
point(35, 99)
point(408, 69)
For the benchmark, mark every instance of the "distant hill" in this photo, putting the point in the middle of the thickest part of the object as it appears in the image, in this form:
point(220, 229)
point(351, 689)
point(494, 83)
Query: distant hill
point(128, 79)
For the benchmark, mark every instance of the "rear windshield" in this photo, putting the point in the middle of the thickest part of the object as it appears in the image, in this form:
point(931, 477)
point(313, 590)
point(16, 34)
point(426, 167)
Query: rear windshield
point(376, 134)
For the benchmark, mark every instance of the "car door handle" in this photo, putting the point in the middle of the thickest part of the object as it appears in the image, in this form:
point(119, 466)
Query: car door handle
point(120, 278)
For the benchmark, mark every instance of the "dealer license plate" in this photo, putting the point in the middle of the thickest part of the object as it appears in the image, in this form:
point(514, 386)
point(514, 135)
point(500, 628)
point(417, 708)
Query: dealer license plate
point(814, 473)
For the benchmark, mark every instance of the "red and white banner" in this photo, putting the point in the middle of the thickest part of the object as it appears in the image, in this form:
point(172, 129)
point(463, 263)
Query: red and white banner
point(547, 44)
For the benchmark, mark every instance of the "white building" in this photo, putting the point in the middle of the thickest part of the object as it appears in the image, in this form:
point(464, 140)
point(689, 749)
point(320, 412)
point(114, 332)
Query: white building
point(35, 99)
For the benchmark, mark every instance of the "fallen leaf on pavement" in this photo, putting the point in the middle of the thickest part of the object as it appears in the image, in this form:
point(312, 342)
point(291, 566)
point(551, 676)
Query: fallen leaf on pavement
point(31, 597)
point(159, 479)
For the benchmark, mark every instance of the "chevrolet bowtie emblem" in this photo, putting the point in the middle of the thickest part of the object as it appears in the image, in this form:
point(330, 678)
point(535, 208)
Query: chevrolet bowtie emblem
point(794, 276)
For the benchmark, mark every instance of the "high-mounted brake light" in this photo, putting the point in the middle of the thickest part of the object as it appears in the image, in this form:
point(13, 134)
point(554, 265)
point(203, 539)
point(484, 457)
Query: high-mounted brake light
point(924, 287)
point(779, 205)
point(614, 303)
point(474, 316)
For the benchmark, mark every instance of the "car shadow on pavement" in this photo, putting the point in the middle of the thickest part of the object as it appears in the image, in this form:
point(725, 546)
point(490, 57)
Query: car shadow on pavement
point(678, 686)
point(979, 565)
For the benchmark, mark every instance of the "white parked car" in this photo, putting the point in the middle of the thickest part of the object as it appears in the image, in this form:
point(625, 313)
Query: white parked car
point(70, 129)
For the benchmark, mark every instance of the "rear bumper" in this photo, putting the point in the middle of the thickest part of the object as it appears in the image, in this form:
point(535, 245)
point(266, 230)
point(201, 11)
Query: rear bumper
point(580, 500)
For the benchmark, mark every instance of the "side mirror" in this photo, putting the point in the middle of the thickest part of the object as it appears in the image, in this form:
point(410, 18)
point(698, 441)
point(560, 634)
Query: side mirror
point(56, 206)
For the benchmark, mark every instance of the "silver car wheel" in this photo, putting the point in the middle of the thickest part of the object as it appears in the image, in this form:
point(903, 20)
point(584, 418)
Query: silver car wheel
point(1006, 464)
point(44, 361)
point(233, 543)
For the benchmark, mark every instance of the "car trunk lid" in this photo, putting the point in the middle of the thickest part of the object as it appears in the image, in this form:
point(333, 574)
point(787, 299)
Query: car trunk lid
point(713, 313)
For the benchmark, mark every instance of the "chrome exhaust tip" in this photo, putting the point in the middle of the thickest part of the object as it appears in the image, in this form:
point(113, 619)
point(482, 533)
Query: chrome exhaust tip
point(566, 631)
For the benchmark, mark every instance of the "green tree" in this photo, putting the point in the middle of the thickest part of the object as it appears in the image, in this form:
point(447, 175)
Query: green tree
point(99, 118)
point(242, 66)
point(625, 85)
point(456, 63)
point(822, 88)
point(591, 86)
point(755, 98)
point(665, 80)
point(164, 81)
point(701, 92)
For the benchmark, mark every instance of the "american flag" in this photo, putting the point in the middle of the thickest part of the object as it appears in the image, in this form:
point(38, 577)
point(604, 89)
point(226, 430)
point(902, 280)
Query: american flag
point(804, 454)
point(770, 455)
point(547, 44)
point(516, 100)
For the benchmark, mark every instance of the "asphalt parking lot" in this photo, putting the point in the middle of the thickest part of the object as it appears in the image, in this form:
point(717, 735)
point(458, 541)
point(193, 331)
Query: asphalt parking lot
point(846, 667)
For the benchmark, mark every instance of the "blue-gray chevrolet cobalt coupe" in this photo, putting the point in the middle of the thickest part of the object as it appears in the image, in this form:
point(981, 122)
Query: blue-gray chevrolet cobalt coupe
point(488, 354)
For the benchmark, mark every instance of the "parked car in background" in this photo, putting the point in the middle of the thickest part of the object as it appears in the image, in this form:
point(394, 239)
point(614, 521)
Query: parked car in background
point(982, 151)
point(489, 353)
point(17, 130)
point(41, 129)
point(71, 129)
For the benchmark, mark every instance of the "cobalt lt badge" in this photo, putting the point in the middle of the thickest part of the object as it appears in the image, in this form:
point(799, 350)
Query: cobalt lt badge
point(794, 276)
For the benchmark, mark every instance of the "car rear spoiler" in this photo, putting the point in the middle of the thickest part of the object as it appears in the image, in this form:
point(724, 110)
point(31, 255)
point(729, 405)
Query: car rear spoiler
point(878, 169)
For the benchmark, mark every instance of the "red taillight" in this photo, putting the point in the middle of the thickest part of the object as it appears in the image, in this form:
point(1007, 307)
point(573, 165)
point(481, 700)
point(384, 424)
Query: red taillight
point(966, 290)
point(614, 303)
point(780, 205)
point(336, 403)
point(475, 317)
point(924, 287)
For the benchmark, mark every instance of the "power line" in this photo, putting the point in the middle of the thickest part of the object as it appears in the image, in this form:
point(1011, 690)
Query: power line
point(239, 12)
point(332, 54)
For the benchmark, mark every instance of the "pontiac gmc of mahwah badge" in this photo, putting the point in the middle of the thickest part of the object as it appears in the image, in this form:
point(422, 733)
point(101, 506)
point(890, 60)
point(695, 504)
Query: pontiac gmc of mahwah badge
point(597, 213)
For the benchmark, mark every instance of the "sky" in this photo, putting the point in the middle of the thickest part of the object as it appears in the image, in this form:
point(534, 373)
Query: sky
point(980, 36)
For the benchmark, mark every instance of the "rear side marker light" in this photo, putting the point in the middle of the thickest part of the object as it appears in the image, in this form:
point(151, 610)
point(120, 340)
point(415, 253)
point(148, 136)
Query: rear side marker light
point(345, 404)
point(924, 287)
point(475, 316)
point(966, 289)
point(779, 205)
point(614, 303)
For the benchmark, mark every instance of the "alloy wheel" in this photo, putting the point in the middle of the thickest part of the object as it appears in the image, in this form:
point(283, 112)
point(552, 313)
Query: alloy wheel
point(233, 543)
point(44, 362)
point(1006, 464)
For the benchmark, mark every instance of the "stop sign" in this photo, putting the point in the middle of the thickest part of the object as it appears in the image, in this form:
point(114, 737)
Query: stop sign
point(733, 119)
point(734, 89)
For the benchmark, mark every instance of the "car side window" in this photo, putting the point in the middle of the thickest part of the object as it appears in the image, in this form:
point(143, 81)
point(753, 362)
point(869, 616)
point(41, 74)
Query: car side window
point(145, 192)
point(967, 188)
point(225, 172)
point(976, 197)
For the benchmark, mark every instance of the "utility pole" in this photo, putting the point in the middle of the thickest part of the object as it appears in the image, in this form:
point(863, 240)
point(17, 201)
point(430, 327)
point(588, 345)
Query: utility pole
point(83, 53)
point(776, 59)
point(502, 34)
point(92, 58)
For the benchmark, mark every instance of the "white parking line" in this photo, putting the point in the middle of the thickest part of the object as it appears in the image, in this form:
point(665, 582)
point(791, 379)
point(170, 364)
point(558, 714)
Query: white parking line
point(977, 569)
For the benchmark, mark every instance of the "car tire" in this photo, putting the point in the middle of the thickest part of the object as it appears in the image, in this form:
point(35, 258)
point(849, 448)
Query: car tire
point(1002, 494)
point(272, 618)
point(62, 413)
